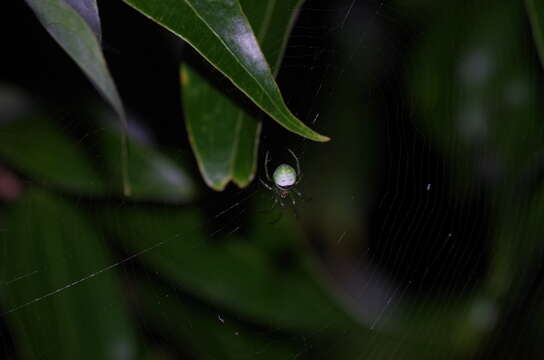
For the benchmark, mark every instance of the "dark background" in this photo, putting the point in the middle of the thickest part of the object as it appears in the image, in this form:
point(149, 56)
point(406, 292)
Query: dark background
point(422, 227)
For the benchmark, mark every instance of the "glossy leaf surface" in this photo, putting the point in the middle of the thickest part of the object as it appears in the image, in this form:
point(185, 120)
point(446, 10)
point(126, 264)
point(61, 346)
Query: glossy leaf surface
point(224, 135)
point(220, 32)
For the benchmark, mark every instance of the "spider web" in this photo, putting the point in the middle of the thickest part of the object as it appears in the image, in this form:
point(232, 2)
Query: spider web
point(398, 240)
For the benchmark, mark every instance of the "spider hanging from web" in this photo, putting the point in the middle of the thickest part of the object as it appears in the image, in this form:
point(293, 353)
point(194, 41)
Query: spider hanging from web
point(283, 181)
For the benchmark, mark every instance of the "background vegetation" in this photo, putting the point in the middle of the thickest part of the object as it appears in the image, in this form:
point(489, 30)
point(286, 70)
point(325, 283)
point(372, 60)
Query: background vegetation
point(132, 224)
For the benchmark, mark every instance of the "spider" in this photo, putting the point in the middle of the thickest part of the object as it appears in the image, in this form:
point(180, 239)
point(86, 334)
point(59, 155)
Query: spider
point(283, 181)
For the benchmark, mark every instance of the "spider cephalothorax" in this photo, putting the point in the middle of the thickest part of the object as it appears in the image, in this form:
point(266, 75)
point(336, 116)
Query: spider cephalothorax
point(283, 180)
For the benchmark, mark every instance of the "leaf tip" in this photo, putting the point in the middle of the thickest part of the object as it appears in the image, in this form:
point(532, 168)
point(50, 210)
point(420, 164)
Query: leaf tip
point(218, 184)
point(242, 183)
point(317, 137)
point(323, 138)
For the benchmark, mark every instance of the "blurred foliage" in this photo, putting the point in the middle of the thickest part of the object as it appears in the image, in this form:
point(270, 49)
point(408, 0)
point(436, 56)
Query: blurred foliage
point(421, 233)
point(58, 247)
point(478, 78)
point(238, 273)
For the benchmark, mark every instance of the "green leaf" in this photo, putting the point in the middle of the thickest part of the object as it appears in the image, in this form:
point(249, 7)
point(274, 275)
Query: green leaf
point(237, 273)
point(224, 137)
point(88, 10)
point(57, 298)
point(220, 32)
point(535, 10)
point(76, 28)
point(223, 134)
point(34, 147)
point(76, 36)
point(213, 131)
point(153, 175)
point(48, 156)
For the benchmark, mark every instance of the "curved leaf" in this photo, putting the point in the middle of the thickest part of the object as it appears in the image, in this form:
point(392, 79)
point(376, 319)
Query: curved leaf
point(224, 136)
point(75, 26)
point(220, 32)
point(78, 34)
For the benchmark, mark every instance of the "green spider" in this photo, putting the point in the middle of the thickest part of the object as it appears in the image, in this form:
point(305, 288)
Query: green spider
point(283, 181)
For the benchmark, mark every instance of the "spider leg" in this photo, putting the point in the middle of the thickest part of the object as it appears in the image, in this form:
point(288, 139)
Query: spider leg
point(297, 162)
point(274, 203)
point(266, 161)
point(266, 185)
point(299, 178)
point(302, 197)
point(280, 212)
point(292, 198)
point(293, 204)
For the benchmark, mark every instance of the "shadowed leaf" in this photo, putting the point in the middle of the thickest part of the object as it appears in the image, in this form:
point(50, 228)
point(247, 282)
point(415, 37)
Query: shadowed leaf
point(75, 26)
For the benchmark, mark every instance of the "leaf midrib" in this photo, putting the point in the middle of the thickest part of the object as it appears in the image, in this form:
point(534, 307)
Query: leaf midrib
point(239, 62)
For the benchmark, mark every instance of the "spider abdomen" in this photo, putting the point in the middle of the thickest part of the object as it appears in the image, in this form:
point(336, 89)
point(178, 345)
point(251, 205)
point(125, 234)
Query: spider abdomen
point(284, 176)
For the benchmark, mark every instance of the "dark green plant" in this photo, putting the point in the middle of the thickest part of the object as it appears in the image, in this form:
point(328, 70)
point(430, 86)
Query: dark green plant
point(110, 248)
